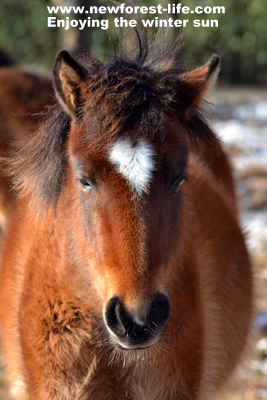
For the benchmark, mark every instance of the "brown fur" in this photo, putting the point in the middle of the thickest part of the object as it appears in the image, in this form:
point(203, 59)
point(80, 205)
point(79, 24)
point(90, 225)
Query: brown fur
point(24, 94)
point(68, 252)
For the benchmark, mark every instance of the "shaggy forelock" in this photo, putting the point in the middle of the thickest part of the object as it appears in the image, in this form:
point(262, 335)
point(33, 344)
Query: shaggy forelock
point(131, 94)
point(123, 104)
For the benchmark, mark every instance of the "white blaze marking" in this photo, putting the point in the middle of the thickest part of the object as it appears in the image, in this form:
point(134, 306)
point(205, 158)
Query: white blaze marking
point(134, 162)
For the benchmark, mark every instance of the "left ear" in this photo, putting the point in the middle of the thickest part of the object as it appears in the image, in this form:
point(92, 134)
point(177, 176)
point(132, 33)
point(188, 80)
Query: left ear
point(192, 86)
point(70, 83)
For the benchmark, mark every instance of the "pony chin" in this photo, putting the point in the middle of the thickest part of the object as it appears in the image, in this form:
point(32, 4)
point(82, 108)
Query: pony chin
point(139, 357)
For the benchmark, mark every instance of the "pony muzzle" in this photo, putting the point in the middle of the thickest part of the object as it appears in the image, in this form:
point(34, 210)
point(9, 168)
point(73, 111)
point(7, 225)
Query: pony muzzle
point(131, 332)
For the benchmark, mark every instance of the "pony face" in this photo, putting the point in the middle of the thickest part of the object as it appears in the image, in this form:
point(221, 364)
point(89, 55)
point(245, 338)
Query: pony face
point(129, 197)
point(128, 161)
point(113, 161)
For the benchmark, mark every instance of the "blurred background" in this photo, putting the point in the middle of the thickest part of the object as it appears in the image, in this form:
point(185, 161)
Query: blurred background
point(239, 114)
point(240, 38)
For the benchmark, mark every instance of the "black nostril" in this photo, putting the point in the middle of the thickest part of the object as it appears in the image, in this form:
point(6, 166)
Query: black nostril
point(134, 331)
point(116, 316)
point(159, 312)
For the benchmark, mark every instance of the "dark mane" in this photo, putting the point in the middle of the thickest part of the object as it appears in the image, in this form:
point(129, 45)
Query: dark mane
point(37, 167)
point(130, 94)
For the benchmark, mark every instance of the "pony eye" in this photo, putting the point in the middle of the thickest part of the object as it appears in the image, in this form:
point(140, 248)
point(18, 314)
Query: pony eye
point(86, 185)
point(177, 184)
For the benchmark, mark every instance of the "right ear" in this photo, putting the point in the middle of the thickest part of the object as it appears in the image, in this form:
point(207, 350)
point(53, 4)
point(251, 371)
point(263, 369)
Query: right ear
point(192, 85)
point(70, 83)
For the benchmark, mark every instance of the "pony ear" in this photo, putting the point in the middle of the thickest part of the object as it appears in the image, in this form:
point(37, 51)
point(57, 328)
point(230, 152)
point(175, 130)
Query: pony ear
point(192, 86)
point(70, 83)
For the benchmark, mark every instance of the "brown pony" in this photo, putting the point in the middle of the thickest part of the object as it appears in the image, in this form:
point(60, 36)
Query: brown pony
point(125, 273)
point(24, 93)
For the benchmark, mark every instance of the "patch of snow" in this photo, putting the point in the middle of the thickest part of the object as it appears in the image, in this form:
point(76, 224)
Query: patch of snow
point(255, 224)
point(251, 111)
point(250, 141)
point(230, 132)
point(251, 138)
